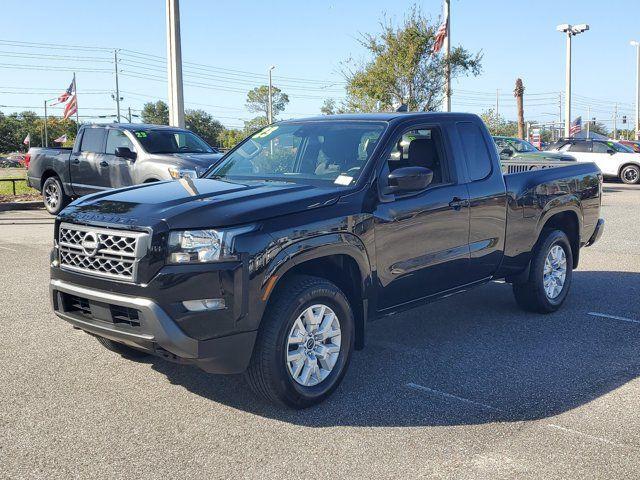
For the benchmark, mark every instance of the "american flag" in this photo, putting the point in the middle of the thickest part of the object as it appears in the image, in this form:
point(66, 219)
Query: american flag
point(71, 107)
point(61, 139)
point(576, 126)
point(440, 35)
point(68, 92)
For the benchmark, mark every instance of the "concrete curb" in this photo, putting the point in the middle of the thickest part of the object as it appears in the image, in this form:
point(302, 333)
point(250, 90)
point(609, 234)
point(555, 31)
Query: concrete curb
point(34, 205)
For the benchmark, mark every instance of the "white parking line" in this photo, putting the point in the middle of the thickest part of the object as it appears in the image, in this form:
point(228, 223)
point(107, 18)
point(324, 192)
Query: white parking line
point(422, 388)
point(586, 435)
point(7, 248)
point(614, 317)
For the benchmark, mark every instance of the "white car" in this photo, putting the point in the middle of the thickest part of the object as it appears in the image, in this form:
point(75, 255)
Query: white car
point(613, 158)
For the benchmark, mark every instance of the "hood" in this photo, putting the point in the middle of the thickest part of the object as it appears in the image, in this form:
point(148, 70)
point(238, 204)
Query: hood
point(197, 161)
point(544, 155)
point(200, 203)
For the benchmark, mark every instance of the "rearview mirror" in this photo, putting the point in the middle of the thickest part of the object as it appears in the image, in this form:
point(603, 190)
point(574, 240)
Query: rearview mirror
point(125, 152)
point(409, 179)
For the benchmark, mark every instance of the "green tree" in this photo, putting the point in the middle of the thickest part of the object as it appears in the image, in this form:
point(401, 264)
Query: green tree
point(156, 113)
point(255, 124)
point(329, 107)
point(204, 125)
point(598, 127)
point(403, 69)
point(497, 125)
point(258, 101)
point(229, 138)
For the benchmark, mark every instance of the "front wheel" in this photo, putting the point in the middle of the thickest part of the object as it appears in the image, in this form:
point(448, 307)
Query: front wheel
point(304, 344)
point(630, 174)
point(550, 274)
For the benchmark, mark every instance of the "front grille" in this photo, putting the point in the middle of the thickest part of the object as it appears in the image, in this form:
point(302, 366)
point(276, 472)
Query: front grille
point(91, 310)
point(101, 251)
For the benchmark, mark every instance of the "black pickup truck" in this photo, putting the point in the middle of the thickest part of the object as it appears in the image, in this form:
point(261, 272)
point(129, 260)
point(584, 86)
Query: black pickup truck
point(274, 261)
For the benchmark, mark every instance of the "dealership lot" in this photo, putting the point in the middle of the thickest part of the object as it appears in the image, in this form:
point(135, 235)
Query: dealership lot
point(469, 387)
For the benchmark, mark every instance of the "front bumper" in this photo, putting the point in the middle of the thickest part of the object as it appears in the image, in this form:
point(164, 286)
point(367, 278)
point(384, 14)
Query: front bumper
point(597, 233)
point(153, 330)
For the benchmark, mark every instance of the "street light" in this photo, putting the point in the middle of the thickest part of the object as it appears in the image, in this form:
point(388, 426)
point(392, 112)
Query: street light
point(637, 119)
point(570, 30)
point(270, 111)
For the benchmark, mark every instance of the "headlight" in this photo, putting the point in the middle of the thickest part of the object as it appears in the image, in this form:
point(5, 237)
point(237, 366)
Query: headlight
point(202, 246)
point(177, 173)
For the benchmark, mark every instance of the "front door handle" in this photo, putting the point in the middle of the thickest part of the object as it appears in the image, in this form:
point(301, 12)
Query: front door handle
point(457, 203)
point(104, 164)
point(76, 161)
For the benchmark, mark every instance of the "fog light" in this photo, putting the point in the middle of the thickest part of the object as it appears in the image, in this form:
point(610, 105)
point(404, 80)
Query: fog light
point(204, 304)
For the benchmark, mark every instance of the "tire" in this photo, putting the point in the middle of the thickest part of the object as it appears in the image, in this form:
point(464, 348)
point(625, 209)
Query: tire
point(53, 195)
point(121, 348)
point(280, 381)
point(630, 174)
point(532, 294)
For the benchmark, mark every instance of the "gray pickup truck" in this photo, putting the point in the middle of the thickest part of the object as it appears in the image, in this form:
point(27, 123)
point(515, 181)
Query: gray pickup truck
point(114, 156)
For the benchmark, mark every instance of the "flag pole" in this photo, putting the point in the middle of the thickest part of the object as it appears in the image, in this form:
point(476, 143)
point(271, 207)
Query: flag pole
point(447, 88)
point(75, 85)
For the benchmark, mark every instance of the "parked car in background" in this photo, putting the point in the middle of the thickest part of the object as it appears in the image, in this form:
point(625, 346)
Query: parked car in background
point(632, 144)
point(274, 262)
point(613, 158)
point(512, 148)
point(114, 156)
point(12, 160)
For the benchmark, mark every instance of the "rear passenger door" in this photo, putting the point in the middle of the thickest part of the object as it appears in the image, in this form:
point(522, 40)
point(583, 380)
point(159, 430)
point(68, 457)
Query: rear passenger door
point(86, 164)
point(118, 172)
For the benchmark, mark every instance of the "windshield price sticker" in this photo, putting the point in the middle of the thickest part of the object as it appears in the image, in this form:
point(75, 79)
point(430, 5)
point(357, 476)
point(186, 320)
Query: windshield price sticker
point(343, 180)
point(141, 134)
point(266, 132)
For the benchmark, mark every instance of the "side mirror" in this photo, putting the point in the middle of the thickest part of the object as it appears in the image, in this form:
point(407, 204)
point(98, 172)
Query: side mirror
point(125, 152)
point(611, 152)
point(409, 179)
point(507, 152)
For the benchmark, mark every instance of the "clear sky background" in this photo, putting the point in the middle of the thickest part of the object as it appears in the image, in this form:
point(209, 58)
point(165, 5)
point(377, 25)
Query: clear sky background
point(230, 45)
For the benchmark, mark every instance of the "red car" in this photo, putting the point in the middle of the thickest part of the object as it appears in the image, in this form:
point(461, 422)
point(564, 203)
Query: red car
point(631, 144)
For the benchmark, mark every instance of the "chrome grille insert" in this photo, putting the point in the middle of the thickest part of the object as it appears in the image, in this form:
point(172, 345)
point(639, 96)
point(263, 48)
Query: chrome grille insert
point(102, 252)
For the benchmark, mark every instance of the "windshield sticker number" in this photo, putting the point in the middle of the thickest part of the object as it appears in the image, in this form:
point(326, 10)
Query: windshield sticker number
point(266, 132)
point(343, 180)
point(141, 134)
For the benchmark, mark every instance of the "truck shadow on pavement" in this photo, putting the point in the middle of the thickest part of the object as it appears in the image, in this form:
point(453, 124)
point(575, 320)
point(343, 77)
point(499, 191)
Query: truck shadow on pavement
point(469, 359)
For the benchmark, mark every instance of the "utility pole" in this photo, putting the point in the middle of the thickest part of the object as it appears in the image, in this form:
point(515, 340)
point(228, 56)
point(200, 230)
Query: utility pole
point(497, 104)
point(129, 114)
point(559, 114)
point(270, 109)
point(570, 30)
point(615, 121)
point(636, 121)
point(174, 65)
point(46, 133)
point(115, 63)
point(588, 120)
point(447, 53)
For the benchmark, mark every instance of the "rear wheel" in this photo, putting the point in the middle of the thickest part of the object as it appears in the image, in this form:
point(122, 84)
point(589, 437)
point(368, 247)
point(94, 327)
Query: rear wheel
point(304, 344)
point(122, 349)
point(53, 195)
point(630, 174)
point(550, 274)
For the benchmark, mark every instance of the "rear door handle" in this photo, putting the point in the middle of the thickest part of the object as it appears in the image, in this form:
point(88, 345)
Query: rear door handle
point(457, 203)
point(104, 164)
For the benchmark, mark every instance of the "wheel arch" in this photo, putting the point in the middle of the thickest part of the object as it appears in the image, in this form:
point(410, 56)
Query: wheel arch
point(568, 221)
point(339, 258)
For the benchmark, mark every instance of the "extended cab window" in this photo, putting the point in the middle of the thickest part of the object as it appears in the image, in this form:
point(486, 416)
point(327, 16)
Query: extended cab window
point(475, 150)
point(93, 140)
point(421, 147)
point(323, 153)
point(117, 138)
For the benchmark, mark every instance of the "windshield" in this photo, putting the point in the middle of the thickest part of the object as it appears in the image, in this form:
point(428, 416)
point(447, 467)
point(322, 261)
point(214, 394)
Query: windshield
point(323, 153)
point(166, 141)
point(619, 147)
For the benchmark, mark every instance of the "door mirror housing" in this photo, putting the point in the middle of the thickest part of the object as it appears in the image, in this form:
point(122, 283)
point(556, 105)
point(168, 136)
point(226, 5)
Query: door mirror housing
point(611, 152)
point(409, 179)
point(125, 152)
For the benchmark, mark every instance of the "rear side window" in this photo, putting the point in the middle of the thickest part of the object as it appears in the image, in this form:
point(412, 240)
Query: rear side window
point(599, 147)
point(475, 150)
point(93, 140)
point(580, 147)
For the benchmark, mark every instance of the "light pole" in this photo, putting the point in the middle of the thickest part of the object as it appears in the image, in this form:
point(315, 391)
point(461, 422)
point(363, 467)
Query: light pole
point(637, 119)
point(174, 65)
point(570, 30)
point(270, 109)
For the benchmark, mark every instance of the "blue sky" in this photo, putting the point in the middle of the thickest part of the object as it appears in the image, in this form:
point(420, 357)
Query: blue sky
point(234, 42)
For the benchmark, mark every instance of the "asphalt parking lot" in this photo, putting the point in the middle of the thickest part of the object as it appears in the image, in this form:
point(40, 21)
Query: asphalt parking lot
point(468, 387)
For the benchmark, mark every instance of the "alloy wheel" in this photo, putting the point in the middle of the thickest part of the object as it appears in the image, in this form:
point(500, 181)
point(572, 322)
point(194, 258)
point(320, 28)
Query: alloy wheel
point(555, 272)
